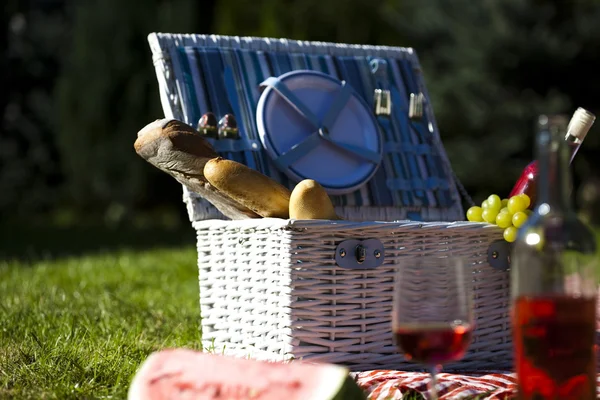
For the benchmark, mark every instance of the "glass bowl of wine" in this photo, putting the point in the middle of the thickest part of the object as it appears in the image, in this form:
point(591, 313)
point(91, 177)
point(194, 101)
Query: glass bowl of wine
point(432, 315)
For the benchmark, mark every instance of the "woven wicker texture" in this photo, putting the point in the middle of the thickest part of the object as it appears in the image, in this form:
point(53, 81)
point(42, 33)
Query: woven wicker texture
point(271, 289)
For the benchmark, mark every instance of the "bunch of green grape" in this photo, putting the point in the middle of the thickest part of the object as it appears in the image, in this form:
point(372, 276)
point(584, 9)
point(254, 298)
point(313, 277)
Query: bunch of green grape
point(508, 214)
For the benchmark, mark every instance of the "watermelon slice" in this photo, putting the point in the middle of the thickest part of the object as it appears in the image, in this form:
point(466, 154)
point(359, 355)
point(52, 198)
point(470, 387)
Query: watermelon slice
point(185, 374)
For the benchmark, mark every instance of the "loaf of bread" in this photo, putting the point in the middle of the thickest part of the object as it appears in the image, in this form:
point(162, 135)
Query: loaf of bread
point(177, 149)
point(248, 187)
point(309, 200)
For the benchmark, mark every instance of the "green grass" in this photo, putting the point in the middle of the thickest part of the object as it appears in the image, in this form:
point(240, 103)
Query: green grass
point(79, 326)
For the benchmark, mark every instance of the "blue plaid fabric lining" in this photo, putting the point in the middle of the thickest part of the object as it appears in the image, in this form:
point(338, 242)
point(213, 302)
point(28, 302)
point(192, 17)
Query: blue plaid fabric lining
point(225, 80)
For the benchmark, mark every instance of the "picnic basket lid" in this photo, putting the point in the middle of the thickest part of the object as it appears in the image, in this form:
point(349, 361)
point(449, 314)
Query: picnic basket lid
point(223, 74)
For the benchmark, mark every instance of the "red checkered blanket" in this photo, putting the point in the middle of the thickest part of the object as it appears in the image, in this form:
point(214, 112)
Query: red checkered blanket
point(394, 385)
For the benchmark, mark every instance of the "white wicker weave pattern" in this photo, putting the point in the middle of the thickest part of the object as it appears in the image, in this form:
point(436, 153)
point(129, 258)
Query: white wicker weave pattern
point(270, 289)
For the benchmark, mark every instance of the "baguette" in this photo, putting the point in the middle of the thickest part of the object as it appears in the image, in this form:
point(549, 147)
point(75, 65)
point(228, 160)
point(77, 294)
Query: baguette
point(177, 149)
point(310, 201)
point(246, 186)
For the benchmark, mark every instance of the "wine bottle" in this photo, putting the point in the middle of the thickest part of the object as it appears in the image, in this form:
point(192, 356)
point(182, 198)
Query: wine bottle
point(579, 126)
point(553, 283)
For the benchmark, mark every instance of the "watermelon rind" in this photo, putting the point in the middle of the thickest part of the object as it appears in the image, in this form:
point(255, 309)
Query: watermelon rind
point(335, 383)
point(350, 391)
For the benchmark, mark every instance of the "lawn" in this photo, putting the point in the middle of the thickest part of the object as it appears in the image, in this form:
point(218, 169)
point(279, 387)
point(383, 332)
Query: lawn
point(78, 326)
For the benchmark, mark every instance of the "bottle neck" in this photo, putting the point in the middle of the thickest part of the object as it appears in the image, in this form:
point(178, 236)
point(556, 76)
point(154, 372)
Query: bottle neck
point(554, 184)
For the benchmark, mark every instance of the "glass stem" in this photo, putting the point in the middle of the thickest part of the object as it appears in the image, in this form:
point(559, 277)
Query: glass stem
point(433, 370)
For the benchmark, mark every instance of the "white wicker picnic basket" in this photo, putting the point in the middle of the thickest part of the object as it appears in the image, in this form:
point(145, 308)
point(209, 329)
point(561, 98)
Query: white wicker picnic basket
point(278, 289)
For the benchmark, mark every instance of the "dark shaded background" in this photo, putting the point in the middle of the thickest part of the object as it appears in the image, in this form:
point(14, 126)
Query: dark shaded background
point(78, 83)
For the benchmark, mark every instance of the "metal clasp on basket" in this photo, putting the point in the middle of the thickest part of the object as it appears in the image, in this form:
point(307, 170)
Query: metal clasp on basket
point(383, 102)
point(359, 254)
point(415, 107)
point(498, 254)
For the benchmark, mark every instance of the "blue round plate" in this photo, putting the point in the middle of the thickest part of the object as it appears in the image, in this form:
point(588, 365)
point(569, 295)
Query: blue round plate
point(341, 157)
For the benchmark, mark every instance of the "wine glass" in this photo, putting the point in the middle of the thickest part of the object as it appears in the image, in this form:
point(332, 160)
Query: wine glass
point(432, 315)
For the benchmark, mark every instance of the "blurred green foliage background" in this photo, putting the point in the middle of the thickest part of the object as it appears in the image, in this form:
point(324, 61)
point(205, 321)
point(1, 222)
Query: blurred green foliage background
point(77, 83)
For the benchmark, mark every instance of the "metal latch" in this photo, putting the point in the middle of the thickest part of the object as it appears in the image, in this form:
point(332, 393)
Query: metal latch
point(498, 254)
point(415, 107)
point(359, 254)
point(383, 102)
